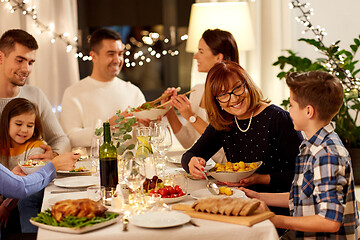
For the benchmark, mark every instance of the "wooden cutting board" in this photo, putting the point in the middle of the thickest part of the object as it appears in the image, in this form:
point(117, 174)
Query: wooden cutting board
point(250, 220)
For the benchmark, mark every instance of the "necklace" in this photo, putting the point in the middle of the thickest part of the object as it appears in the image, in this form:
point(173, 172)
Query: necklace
point(247, 126)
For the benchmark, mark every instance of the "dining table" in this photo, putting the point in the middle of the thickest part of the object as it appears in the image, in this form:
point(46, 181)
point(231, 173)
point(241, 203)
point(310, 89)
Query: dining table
point(204, 229)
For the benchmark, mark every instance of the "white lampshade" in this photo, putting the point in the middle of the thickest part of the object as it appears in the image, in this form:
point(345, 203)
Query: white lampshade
point(233, 17)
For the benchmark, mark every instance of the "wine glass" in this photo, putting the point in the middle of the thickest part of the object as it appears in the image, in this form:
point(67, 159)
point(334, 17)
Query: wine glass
point(134, 175)
point(162, 139)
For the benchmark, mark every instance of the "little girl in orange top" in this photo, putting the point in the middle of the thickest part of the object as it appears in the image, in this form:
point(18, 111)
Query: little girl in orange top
point(20, 137)
point(20, 133)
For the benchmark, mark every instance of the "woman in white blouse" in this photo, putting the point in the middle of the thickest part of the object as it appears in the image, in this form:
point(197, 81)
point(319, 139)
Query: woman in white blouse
point(214, 46)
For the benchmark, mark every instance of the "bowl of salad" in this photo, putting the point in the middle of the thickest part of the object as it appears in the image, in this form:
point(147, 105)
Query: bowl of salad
point(149, 112)
point(31, 166)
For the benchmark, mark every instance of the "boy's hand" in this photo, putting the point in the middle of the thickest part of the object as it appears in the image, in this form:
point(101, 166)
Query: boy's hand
point(249, 193)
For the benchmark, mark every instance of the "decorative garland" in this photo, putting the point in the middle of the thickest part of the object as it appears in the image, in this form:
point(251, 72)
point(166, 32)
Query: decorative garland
point(332, 63)
point(137, 59)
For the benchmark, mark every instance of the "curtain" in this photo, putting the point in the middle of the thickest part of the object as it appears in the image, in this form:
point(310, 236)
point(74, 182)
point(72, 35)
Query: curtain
point(54, 69)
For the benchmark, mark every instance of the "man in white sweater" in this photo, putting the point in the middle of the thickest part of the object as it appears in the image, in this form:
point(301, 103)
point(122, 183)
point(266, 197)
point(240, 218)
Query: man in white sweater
point(100, 95)
point(17, 56)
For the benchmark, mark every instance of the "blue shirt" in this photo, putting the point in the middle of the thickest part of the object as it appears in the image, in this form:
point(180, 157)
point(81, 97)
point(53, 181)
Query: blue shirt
point(324, 185)
point(13, 186)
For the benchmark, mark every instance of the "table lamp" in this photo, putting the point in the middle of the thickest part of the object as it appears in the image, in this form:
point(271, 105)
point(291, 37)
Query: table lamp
point(229, 16)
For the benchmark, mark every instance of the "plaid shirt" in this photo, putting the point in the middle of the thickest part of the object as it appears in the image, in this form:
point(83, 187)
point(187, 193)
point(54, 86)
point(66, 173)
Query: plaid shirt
point(324, 185)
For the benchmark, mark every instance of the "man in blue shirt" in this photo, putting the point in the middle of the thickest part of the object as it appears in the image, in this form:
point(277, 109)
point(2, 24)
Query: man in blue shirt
point(13, 186)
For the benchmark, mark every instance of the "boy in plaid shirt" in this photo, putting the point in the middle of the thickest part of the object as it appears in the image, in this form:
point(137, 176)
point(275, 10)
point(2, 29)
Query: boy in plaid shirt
point(322, 199)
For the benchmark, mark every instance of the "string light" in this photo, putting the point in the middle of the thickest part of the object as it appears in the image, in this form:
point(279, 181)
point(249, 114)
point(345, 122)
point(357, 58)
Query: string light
point(30, 11)
point(333, 64)
point(137, 59)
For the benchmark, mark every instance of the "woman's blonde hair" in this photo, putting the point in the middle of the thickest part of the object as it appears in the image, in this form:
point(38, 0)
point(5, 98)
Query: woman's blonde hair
point(218, 81)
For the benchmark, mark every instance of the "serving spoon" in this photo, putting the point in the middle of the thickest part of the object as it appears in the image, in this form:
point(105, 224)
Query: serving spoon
point(211, 186)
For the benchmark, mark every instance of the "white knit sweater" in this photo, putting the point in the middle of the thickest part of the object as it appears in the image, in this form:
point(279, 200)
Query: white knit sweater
point(90, 100)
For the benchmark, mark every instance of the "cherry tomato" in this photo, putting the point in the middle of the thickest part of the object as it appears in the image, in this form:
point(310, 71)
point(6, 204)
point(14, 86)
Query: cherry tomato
point(181, 194)
point(174, 195)
point(170, 189)
point(163, 192)
point(177, 189)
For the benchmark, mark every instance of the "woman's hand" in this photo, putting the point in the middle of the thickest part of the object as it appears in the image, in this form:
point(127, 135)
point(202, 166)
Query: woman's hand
point(251, 180)
point(65, 161)
point(196, 167)
point(171, 92)
point(182, 103)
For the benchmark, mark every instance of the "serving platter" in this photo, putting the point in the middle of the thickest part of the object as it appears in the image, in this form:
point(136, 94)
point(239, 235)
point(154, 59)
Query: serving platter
point(77, 230)
point(160, 219)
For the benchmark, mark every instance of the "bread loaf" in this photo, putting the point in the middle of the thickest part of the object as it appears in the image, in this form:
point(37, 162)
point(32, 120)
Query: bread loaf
point(226, 206)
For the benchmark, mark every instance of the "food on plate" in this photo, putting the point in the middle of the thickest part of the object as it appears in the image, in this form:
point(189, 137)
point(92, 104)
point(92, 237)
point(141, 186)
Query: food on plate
point(169, 192)
point(80, 169)
point(78, 208)
point(75, 214)
point(154, 183)
point(235, 167)
point(145, 106)
point(226, 206)
point(225, 191)
point(33, 163)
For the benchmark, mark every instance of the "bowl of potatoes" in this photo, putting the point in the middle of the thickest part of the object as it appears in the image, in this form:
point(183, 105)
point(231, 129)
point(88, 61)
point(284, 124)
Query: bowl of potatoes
point(233, 172)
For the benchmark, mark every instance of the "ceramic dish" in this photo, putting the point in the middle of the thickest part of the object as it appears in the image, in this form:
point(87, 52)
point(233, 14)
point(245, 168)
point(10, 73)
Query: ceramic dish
point(151, 114)
point(77, 182)
point(160, 219)
point(76, 230)
point(232, 176)
point(173, 200)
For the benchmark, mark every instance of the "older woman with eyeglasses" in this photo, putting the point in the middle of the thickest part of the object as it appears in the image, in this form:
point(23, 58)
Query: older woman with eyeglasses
point(248, 128)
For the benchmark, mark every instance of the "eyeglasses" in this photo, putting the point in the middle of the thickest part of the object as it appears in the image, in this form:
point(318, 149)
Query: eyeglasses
point(238, 91)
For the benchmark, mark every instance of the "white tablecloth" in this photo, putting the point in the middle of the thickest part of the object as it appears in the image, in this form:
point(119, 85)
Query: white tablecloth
point(208, 229)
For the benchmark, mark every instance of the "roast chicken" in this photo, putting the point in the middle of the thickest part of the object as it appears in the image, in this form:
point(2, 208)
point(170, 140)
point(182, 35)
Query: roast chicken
point(226, 206)
point(78, 208)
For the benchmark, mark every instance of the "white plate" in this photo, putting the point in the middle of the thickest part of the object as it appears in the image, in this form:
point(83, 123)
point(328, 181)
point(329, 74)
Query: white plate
point(175, 160)
point(160, 219)
point(65, 196)
point(76, 230)
point(87, 173)
point(77, 182)
point(173, 200)
point(202, 193)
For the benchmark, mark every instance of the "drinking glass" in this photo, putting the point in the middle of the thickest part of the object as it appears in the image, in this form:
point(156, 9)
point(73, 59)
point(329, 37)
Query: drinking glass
point(162, 141)
point(134, 176)
point(96, 142)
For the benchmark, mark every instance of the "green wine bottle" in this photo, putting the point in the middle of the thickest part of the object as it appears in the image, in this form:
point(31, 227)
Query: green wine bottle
point(108, 160)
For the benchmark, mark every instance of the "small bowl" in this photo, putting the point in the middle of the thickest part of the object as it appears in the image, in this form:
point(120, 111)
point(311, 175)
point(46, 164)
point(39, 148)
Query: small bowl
point(151, 114)
point(233, 177)
point(30, 169)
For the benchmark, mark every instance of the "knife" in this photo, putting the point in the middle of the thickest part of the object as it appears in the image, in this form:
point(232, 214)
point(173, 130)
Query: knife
point(68, 191)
